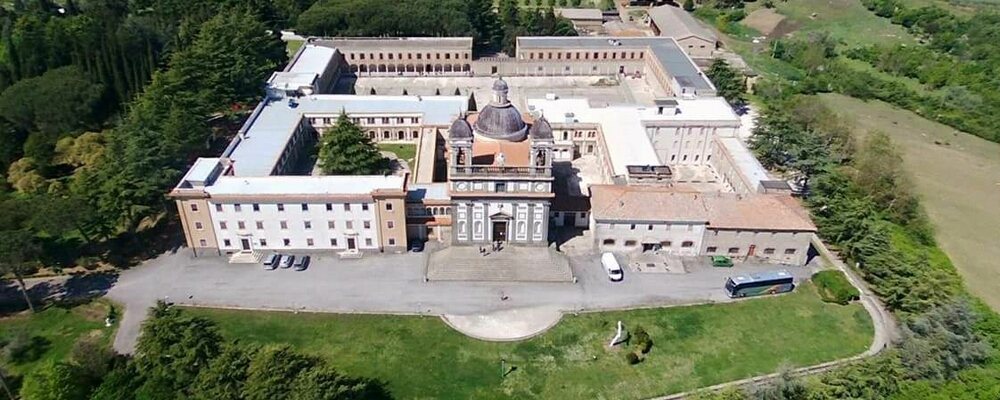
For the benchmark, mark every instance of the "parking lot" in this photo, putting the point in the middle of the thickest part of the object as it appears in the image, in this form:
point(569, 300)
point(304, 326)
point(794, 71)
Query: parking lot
point(393, 283)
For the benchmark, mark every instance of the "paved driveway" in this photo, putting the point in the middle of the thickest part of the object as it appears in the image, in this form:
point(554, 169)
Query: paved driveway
point(393, 284)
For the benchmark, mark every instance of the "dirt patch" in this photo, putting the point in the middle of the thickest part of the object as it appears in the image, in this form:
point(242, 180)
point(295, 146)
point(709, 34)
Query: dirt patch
point(764, 20)
point(784, 28)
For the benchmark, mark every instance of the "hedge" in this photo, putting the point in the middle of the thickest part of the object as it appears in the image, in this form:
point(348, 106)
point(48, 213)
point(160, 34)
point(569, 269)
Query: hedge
point(834, 287)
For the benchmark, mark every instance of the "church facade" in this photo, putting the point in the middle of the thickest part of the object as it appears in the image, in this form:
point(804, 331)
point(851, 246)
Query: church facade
point(500, 175)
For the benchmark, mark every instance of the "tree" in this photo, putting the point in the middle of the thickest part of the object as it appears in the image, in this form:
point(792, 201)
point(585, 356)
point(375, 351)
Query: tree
point(458, 92)
point(271, 373)
point(346, 150)
point(24, 177)
point(60, 101)
point(372, 92)
point(472, 102)
point(323, 382)
point(226, 375)
point(688, 5)
point(728, 83)
point(81, 151)
point(18, 250)
point(91, 358)
point(437, 92)
point(55, 381)
point(484, 22)
point(173, 349)
point(121, 383)
point(224, 74)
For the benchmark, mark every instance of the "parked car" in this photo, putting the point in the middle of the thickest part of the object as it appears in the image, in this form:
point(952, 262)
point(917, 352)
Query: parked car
point(417, 246)
point(722, 261)
point(287, 261)
point(271, 261)
point(611, 266)
point(301, 263)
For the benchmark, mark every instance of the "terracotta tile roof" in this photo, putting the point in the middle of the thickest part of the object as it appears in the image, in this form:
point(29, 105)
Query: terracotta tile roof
point(718, 210)
point(516, 154)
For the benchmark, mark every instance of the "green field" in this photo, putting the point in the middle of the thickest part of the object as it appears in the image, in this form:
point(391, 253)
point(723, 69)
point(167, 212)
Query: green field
point(404, 151)
point(957, 176)
point(697, 346)
point(57, 328)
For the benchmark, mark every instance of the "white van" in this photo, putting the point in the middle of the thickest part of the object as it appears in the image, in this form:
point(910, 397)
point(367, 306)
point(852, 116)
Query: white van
point(611, 267)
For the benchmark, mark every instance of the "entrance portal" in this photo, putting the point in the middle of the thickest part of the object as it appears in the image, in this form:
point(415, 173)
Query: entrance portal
point(500, 231)
point(245, 243)
point(351, 243)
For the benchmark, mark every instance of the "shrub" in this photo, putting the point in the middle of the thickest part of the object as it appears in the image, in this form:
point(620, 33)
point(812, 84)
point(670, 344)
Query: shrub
point(834, 287)
point(88, 262)
point(642, 340)
point(632, 358)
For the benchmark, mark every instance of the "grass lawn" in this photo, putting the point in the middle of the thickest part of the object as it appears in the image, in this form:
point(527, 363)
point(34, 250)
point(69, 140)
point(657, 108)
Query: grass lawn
point(420, 357)
point(292, 46)
point(957, 181)
point(58, 328)
point(404, 151)
point(847, 20)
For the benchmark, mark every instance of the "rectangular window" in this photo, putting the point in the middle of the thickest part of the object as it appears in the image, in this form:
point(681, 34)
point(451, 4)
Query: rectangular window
point(287, 242)
point(309, 242)
point(226, 243)
point(349, 224)
point(333, 242)
point(390, 224)
point(789, 251)
point(281, 207)
point(368, 224)
point(392, 242)
point(347, 206)
point(223, 225)
point(305, 207)
point(388, 206)
point(649, 227)
point(237, 207)
point(194, 207)
point(368, 242)
point(263, 242)
point(197, 225)
point(769, 251)
point(283, 224)
point(734, 250)
point(218, 207)
point(256, 207)
point(329, 207)
point(711, 249)
point(331, 225)
point(260, 224)
point(241, 225)
point(500, 186)
point(632, 227)
point(307, 224)
point(364, 206)
point(203, 243)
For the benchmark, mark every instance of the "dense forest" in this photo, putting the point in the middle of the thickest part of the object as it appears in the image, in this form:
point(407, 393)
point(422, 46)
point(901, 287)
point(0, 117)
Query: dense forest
point(104, 104)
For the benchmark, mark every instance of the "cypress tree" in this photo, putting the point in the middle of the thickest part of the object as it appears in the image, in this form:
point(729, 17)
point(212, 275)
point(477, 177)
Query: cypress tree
point(472, 102)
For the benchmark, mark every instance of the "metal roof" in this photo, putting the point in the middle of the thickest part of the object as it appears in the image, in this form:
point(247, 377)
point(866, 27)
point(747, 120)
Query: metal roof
point(304, 185)
point(311, 59)
point(428, 191)
point(679, 24)
point(580, 13)
point(745, 162)
point(266, 133)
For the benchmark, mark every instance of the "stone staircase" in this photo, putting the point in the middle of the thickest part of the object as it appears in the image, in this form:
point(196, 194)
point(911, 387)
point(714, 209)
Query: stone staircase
point(246, 257)
point(512, 264)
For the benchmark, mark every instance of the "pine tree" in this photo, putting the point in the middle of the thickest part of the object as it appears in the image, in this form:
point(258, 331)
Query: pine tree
point(372, 92)
point(458, 92)
point(405, 93)
point(472, 102)
point(437, 92)
point(345, 150)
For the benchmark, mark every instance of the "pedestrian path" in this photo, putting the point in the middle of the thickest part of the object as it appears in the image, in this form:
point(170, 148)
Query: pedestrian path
point(511, 264)
point(506, 325)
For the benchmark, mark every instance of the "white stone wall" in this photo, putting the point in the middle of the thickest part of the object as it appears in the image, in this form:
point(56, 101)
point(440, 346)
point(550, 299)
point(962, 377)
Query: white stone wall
point(295, 221)
point(677, 238)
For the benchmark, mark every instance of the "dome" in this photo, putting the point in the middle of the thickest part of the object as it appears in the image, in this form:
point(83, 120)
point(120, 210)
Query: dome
point(500, 84)
point(460, 129)
point(501, 122)
point(541, 129)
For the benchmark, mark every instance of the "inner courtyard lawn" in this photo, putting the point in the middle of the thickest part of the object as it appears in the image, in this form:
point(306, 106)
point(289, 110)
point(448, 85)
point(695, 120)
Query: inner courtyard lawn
point(696, 346)
point(403, 151)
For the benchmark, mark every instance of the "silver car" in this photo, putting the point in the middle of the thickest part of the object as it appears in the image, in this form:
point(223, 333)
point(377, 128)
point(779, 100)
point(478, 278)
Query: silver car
point(286, 261)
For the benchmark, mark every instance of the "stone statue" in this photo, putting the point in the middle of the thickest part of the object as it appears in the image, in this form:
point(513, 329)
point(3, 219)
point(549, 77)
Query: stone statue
point(540, 158)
